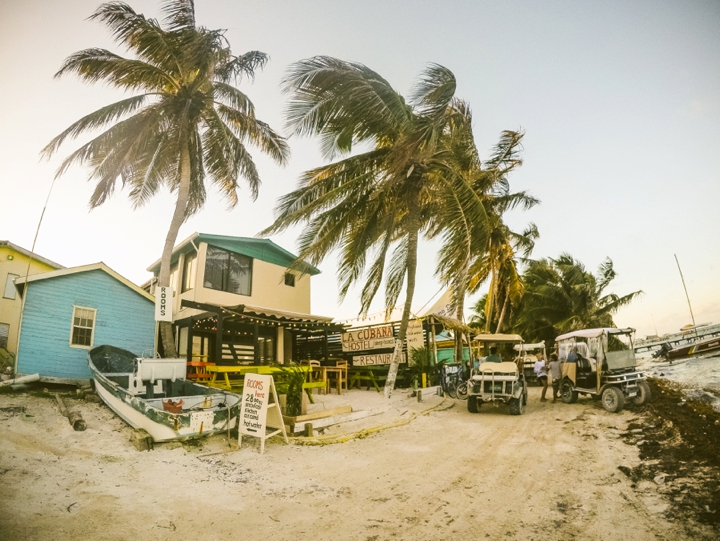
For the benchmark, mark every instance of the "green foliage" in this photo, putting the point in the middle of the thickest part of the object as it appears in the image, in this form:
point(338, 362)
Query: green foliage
point(293, 377)
point(7, 359)
point(187, 125)
point(373, 205)
point(421, 362)
point(561, 296)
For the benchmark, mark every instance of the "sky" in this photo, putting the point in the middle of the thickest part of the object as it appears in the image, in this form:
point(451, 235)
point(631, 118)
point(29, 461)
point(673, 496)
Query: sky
point(619, 100)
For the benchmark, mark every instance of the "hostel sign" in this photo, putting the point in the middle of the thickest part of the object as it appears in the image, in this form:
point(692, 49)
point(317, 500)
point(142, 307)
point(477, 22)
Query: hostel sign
point(370, 338)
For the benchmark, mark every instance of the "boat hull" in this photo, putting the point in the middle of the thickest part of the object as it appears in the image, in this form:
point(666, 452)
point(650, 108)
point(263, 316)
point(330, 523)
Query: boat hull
point(704, 346)
point(205, 411)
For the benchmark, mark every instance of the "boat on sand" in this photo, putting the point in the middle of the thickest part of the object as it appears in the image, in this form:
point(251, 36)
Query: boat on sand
point(152, 394)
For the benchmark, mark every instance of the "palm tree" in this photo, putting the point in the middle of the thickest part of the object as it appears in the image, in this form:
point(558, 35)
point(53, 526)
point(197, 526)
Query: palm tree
point(470, 255)
point(382, 198)
point(187, 124)
point(561, 296)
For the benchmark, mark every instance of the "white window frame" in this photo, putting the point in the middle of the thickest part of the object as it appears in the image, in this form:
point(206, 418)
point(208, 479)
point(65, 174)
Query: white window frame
point(92, 333)
point(10, 286)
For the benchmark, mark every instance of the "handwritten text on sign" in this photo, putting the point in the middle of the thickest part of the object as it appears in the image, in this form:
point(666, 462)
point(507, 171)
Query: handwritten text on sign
point(253, 411)
point(365, 339)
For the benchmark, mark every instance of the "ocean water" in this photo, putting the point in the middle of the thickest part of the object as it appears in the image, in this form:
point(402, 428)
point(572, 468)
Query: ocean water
point(700, 374)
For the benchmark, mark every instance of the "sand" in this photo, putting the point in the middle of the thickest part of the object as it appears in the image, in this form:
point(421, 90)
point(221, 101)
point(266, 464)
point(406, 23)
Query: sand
point(558, 472)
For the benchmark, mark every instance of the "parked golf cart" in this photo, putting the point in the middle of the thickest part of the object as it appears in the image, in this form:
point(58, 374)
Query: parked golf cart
point(527, 352)
point(605, 368)
point(498, 382)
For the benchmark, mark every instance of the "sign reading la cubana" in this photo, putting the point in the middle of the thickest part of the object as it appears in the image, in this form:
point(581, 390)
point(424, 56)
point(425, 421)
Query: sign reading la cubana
point(370, 338)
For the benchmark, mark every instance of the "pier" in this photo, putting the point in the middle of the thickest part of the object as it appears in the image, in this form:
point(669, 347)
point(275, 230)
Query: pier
point(678, 338)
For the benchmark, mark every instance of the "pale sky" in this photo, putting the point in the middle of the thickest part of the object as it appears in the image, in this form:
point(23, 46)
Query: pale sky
point(620, 101)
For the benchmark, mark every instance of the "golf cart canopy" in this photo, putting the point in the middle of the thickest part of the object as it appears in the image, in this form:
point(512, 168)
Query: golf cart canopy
point(593, 333)
point(499, 338)
point(529, 347)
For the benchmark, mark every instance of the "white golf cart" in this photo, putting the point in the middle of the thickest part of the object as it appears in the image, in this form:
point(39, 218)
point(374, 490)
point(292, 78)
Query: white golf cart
point(528, 352)
point(498, 382)
point(605, 367)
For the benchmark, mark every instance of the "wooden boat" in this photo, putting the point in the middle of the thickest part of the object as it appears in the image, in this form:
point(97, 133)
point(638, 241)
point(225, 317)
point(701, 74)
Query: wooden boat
point(701, 346)
point(147, 392)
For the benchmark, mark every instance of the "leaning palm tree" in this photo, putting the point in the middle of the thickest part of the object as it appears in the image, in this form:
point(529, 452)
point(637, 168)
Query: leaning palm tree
point(562, 296)
point(187, 124)
point(470, 255)
point(376, 203)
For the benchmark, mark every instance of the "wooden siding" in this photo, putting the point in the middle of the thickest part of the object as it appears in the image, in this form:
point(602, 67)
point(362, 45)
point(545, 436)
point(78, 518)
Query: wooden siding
point(124, 319)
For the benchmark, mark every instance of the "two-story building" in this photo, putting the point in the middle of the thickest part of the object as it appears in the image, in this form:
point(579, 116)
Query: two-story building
point(16, 262)
point(236, 302)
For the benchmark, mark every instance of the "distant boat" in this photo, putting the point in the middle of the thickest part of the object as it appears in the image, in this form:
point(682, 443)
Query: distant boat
point(701, 346)
point(153, 394)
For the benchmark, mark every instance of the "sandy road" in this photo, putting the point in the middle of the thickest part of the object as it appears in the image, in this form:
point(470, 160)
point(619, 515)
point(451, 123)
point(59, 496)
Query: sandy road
point(550, 474)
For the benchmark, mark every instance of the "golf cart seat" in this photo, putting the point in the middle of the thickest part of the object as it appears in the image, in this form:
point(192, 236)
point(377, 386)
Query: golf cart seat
point(503, 368)
point(505, 371)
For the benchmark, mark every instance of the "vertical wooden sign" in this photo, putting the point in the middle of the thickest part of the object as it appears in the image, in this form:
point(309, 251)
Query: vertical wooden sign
point(260, 414)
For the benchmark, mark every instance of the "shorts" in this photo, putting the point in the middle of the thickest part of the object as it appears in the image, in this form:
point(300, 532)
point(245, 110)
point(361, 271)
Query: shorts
point(556, 384)
point(543, 379)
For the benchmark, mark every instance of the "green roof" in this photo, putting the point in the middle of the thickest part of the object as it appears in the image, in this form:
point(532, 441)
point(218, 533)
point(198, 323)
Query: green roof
point(262, 249)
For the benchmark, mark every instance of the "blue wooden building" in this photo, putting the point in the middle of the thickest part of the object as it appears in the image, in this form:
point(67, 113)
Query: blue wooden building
point(70, 311)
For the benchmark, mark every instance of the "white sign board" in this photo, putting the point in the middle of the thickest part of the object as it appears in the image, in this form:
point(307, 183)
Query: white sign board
point(370, 360)
point(258, 412)
point(370, 338)
point(414, 336)
point(163, 304)
point(253, 411)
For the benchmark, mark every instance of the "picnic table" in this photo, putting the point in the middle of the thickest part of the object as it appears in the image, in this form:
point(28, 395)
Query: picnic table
point(235, 383)
point(374, 375)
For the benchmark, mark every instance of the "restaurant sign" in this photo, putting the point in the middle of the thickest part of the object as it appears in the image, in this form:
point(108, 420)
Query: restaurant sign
point(371, 360)
point(370, 338)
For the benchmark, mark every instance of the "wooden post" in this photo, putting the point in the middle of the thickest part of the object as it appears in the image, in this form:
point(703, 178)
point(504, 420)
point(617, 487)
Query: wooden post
point(74, 417)
point(219, 340)
point(189, 345)
point(256, 343)
point(325, 348)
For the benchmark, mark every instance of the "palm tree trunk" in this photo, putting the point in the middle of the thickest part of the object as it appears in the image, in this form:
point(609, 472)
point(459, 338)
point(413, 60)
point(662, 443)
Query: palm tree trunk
point(502, 313)
point(489, 302)
point(166, 332)
point(414, 227)
point(459, 333)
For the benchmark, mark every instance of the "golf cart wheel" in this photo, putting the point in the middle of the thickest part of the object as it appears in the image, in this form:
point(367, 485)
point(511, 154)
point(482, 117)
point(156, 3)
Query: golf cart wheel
point(473, 404)
point(568, 394)
point(516, 406)
point(643, 396)
point(613, 399)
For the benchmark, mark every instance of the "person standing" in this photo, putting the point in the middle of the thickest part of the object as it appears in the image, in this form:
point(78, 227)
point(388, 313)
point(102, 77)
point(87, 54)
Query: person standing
point(556, 374)
point(540, 370)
